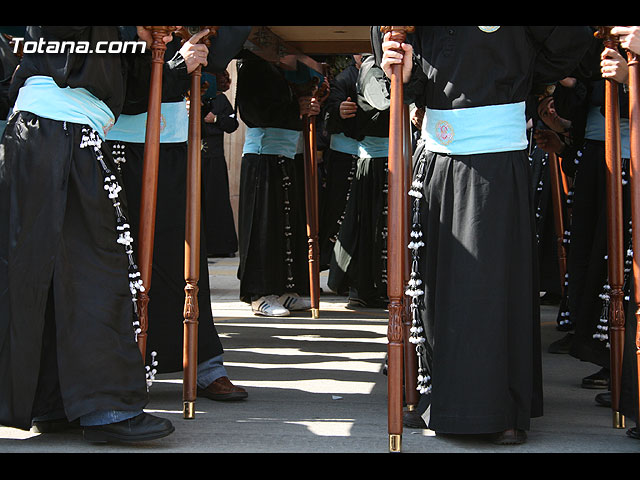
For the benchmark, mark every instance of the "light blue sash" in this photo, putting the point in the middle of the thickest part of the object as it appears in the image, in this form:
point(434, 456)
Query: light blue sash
point(373, 147)
point(341, 143)
point(41, 96)
point(271, 141)
point(469, 131)
point(596, 126)
point(174, 125)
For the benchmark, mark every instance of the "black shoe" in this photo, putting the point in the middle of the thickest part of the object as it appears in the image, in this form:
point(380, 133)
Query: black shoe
point(563, 345)
point(57, 425)
point(355, 303)
point(510, 437)
point(604, 399)
point(413, 419)
point(634, 432)
point(137, 429)
point(600, 379)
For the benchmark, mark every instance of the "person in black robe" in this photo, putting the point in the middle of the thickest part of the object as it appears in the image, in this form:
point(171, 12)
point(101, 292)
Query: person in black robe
point(273, 269)
point(68, 278)
point(475, 296)
point(166, 292)
point(358, 262)
point(340, 159)
point(557, 127)
point(588, 302)
point(219, 118)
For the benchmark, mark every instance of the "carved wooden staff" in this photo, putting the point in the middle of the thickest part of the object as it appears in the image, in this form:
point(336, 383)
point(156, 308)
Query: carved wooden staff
point(394, 246)
point(311, 202)
point(192, 234)
point(149, 190)
point(410, 361)
point(558, 214)
point(614, 231)
point(634, 125)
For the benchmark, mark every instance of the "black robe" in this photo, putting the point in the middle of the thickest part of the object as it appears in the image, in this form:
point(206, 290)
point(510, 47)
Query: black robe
point(339, 166)
point(272, 233)
point(66, 308)
point(220, 226)
point(479, 300)
point(358, 260)
point(587, 258)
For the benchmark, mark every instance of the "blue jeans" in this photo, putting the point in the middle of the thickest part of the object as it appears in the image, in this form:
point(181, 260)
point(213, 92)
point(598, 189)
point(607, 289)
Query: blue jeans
point(208, 372)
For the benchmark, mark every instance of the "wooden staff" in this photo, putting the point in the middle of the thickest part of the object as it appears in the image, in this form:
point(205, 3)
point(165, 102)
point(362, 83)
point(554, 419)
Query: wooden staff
point(614, 231)
point(311, 202)
point(558, 215)
point(410, 360)
point(394, 246)
point(192, 234)
point(149, 190)
point(634, 124)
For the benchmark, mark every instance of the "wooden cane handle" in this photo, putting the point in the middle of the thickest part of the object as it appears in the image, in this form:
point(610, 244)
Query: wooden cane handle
point(187, 32)
point(609, 40)
point(398, 33)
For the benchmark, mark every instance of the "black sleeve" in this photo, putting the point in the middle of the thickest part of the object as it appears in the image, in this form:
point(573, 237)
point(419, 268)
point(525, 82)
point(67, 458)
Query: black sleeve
point(225, 46)
point(104, 75)
point(560, 50)
point(175, 79)
point(226, 121)
point(342, 88)
point(264, 97)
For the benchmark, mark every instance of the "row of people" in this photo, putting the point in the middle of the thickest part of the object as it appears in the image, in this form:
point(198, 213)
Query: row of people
point(472, 207)
point(572, 124)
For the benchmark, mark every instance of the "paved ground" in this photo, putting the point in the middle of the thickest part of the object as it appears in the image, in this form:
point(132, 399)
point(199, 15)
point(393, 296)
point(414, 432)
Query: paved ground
point(315, 386)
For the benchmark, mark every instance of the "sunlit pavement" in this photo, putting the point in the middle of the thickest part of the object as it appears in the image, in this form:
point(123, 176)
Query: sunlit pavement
point(316, 386)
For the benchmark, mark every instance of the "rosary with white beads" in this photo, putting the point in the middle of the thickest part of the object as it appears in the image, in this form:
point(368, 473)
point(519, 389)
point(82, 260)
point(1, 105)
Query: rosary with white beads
point(90, 138)
point(414, 287)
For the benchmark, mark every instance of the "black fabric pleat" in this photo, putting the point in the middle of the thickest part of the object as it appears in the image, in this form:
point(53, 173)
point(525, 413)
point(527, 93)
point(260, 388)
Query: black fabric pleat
point(59, 249)
point(480, 273)
point(166, 292)
point(359, 255)
point(272, 227)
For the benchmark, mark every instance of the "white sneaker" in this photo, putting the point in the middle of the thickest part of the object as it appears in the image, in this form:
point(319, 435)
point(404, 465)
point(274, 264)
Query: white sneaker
point(269, 306)
point(293, 301)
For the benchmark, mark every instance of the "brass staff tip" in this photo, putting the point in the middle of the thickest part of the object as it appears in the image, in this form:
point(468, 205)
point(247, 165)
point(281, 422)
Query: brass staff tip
point(395, 443)
point(189, 409)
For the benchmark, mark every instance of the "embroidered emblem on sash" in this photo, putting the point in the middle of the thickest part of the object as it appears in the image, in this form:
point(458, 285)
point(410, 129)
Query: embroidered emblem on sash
point(488, 29)
point(107, 127)
point(444, 132)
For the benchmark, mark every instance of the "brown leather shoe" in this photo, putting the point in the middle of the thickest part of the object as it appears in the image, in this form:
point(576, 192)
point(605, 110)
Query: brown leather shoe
point(510, 437)
point(223, 390)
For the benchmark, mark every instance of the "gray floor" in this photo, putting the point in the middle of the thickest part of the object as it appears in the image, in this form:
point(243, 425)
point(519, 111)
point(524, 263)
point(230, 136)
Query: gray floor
point(315, 386)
